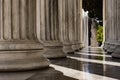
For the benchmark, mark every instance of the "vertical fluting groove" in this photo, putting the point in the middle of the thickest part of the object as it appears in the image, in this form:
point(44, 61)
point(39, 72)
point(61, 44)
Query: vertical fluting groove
point(57, 21)
point(27, 27)
point(72, 27)
point(52, 26)
point(68, 17)
point(106, 30)
point(79, 17)
point(31, 18)
point(108, 18)
point(111, 22)
point(39, 28)
point(66, 20)
point(80, 20)
point(63, 19)
point(46, 16)
point(112, 29)
point(60, 11)
point(7, 20)
point(34, 20)
point(23, 19)
point(77, 20)
point(118, 27)
point(114, 20)
point(19, 22)
point(47, 20)
point(1, 19)
point(71, 21)
point(27, 21)
point(15, 20)
point(54, 18)
point(11, 21)
point(68, 5)
point(42, 19)
point(50, 16)
point(75, 25)
point(117, 19)
point(2, 30)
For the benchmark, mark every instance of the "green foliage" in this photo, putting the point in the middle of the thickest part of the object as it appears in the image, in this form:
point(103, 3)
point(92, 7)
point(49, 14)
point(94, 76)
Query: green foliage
point(100, 33)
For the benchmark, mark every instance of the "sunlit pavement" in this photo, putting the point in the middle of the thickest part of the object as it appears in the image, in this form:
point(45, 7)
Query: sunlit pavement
point(87, 64)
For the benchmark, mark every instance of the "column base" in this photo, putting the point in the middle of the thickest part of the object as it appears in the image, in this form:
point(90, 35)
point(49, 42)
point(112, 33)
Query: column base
point(53, 50)
point(67, 48)
point(22, 60)
point(76, 46)
point(20, 45)
point(111, 47)
point(116, 53)
point(106, 46)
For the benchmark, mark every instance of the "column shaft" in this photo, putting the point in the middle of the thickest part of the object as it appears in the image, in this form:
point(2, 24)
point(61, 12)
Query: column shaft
point(77, 13)
point(50, 28)
point(64, 22)
point(112, 27)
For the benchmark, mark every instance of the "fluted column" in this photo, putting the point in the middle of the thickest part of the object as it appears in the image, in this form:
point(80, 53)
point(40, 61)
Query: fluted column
point(112, 27)
point(85, 28)
point(110, 32)
point(19, 46)
point(76, 27)
point(49, 28)
point(65, 24)
point(116, 35)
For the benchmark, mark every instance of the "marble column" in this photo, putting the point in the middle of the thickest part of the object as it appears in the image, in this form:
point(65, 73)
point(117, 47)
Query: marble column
point(112, 27)
point(65, 25)
point(19, 46)
point(76, 26)
point(109, 31)
point(85, 19)
point(49, 28)
point(116, 29)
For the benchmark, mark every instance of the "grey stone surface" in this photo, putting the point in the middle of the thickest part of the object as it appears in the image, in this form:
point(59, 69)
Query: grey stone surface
point(49, 29)
point(112, 29)
point(49, 74)
point(65, 27)
point(76, 26)
point(67, 48)
point(116, 53)
point(19, 46)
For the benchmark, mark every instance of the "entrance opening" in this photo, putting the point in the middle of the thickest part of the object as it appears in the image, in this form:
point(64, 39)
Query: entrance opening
point(92, 23)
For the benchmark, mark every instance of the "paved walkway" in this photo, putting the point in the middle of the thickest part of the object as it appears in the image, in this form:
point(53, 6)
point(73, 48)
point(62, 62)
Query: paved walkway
point(87, 64)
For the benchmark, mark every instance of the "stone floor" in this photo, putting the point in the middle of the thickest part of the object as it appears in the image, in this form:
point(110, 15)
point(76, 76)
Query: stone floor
point(87, 64)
